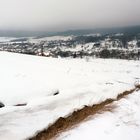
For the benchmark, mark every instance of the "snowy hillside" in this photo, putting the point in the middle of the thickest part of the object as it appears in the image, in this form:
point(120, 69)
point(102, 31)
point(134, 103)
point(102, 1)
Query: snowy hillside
point(6, 39)
point(52, 38)
point(34, 81)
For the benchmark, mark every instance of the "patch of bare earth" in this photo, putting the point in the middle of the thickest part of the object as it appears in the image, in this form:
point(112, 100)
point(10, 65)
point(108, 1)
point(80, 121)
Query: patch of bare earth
point(63, 124)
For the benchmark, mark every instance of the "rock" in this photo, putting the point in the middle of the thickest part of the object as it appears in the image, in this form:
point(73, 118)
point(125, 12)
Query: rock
point(1, 105)
point(56, 93)
point(23, 104)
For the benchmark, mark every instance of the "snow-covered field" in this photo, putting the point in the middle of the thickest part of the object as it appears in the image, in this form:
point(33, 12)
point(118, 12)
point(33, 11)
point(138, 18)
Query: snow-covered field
point(34, 80)
point(52, 38)
point(122, 123)
point(7, 39)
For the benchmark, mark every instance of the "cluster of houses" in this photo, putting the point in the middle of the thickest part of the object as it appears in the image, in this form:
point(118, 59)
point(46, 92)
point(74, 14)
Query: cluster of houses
point(105, 48)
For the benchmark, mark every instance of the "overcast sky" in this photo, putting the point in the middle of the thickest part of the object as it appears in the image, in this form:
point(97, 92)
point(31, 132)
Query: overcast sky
point(57, 15)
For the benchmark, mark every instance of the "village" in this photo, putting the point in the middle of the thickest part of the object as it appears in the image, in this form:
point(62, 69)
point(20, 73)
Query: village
point(99, 46)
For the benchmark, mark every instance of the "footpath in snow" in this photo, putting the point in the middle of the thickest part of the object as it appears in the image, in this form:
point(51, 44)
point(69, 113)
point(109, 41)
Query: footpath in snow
point(120, 121)
point(34, 82)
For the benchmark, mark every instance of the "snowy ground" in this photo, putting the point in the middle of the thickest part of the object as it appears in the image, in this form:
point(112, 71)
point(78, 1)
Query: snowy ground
point(52, 38)
point(122, 123)
point(33, 80)
point(6, 39)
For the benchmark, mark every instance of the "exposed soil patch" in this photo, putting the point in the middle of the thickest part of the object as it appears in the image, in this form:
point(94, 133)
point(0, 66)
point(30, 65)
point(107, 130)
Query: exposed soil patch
point(1, 105)
point(62, 124)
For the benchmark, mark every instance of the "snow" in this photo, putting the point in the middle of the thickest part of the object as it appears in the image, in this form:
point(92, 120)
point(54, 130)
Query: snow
point(51, 38)
point(123, 122)
point(6, 39)
point(119, 34)
point(33, 80)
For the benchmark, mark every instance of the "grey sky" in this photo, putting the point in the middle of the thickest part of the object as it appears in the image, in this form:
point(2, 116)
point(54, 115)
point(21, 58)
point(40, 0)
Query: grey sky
point(56, 15)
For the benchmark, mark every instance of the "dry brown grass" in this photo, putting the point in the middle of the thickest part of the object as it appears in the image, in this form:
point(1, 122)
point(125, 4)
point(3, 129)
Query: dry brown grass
point(62, 124)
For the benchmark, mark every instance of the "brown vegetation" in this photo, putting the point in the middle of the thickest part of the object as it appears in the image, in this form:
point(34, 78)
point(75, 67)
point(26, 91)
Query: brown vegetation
point(62, 124)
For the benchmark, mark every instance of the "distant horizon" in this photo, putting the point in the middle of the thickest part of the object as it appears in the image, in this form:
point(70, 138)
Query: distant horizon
point(69, 29)
point(27, 33)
